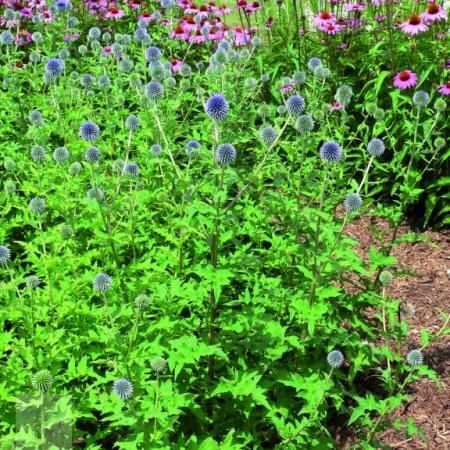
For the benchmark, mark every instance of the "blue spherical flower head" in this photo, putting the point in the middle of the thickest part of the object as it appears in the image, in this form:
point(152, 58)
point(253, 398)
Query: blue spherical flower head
point(225, 154)
point(331, 151)
point(295, 105)
point(62, 5)
point(95, 194)
point(5, 255)
point(414, 358)
point(421, 99)
point(104, 81)
point(313, 63)
point(61, 155)
point(7, 38)
point(375, 147)
point(37, 205)
point(38, 153)
point(102, 282)
point(153, 54)
point(54, 67)
point(140, 34)
point(36, 119)
point(92, 155)
point(89, 131)
point(42, 380)
point(304, 124)
point(154, 90)
point(131, 169)
point(335, 359)
point(352, 202)
point(268, 135)
point(132, 122)
point(123, 388)
point(156, 150)
point(94, 33)
point(192, 148)
point(32, 282)
point(217, 107)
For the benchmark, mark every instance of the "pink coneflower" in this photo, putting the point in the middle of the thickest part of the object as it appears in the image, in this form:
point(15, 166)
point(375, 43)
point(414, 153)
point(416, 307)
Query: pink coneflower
point(354, 7)
point(241, 4)
point(72, 36)
point(378, 2)
point(26, 12)
point(331, 28)
point(380, 18)
point(405, 80)
point(413, 25)
point(223, 11)
point(241, 36)
point(176, 64)
point(434, 12)
point(179, 33)
point(288, 87)
point(189, 24)
point(184, 4)
point(115, 13)
point(252, 7)
point(197, 37)
point(324, 18)
point(445, 89)
point(135, 4)
point(147, 16)
point(335, 106)
point(107, 51)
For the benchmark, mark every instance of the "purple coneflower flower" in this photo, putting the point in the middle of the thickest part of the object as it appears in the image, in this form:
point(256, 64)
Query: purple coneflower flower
point(405, 80)
point(433, 13)
point(413, 25)
point(335, 106)
point(115, 13)
point(445, 89)
point(331, 28)
point(324, 18)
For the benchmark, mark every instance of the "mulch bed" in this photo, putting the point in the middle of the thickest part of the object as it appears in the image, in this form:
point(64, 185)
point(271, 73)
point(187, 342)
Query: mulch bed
point(424, 283)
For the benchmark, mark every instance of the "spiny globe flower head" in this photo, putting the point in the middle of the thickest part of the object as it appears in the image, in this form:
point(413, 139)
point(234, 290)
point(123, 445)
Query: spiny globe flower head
point(131, 169)
point(295, 105)
point(36, 119)
point(104, 81)
point(32, 282)
point(141, 301)
point(140, 34)
point(217, 107)
point(352, 202)
point(220, 57)
point(153, 54)
point(375, 147)
point(265, 77)
point(386, 278)
point(35, 57)
point(66, 231)
point(299, 76)
point(9, 14)
point(414, 358)
point(313, 63)
point(42, 380)
point(156, 150)
point(89, 131)
point(167, 4)
point(192, 148)
point(322, 72)
point(330, 151)
point(95, 194)
point(72, 22)
point(264, 111)
point(64, 54)
point(106, 37)
point(7, 38)
point(61, 155)
point(304, 124)
point(440, 105)
point(38, 153)
point(94, 33)
point(225, 154)
point(158, 364)
point(154, 90)
point(102, 282)
point(126, 65)
point(268, 135)
point(87, 80)
point(92, 155)
point(95, 45)
point(5, 255)
point(335, 359)
point(10, 187)
point(371, 108)
point(406, 311)
point(344, 94)
point(75, 169)
point(170, 82)
point(54, 67)
point(185, 70)
point(37, 205)
point(132, 122)
point(421, 99)
point(123, 388)
point(9, 165)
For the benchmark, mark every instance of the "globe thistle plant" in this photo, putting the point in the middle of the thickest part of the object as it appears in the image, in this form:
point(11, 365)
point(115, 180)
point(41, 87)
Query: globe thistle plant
point(5, 255)
point(192, 148)
point(406, 311)
point(131, 169)
point(268, 135)
point(92, 155)
point(95, 194)
point(102, 282)
point(75, 169)
point(104, 81)
point(141, 301)
point(225, 154)
point(352, 202)
point(295, 105)
point(344, 95)
point(42, 380)
point(304, 124)
point(54, 67)
point(158, 364)
point(154, 91)
point(61, 155)
point(10, 187)
point(421, 99)
point(313, 63)
point(330, 152)
point(375, 147)
point(123, 388)
point(132, 123)
point(38, 153)
point(32, 282)
point(153, 54)
point(89, 131)
point(37, 205)
point(36, 119)
point(66, 231)
point(414, 358)
point(156, 150)
point(217, 107)
point(335, 359)
point(386, 278)
point(94, 33)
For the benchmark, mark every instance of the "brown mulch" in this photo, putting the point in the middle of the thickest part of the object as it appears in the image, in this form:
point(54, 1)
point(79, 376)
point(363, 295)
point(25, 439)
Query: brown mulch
point(424, 283)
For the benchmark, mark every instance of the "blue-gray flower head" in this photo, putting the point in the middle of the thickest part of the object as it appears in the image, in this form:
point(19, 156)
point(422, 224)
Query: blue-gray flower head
point(295, 105)
point(335, 359)
point(154, 90)
point(92, 155)
point(132, 169)
point(375, 147)
point(36, 119)
point(225, 154)
point(94, 33)
point(156, 150)
point(9, 165)
point(32, 282)
point(5, 255)
point(123, 388)
point(37, 205)
point(304, 124)
point(38, 153)
point(54, 67)
point(158, 364)
point(140, 34)
point(352, 202)
point(217, 107)
point(42, 380)
point(152, 54)
point(95, 194)
point(61, 155)
point(102, 282)
point(421, 99)
point(414, 358)
point(313, 63)
point(7, 38)
point(192, 148)
point(331, 151)
point(299, 76)
point(141, 301)
point(75, 169)
point(104, 81)
point(132, 122)
point(268, 135)
point(89, 131)
point(344, 94)
point(87, 80)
